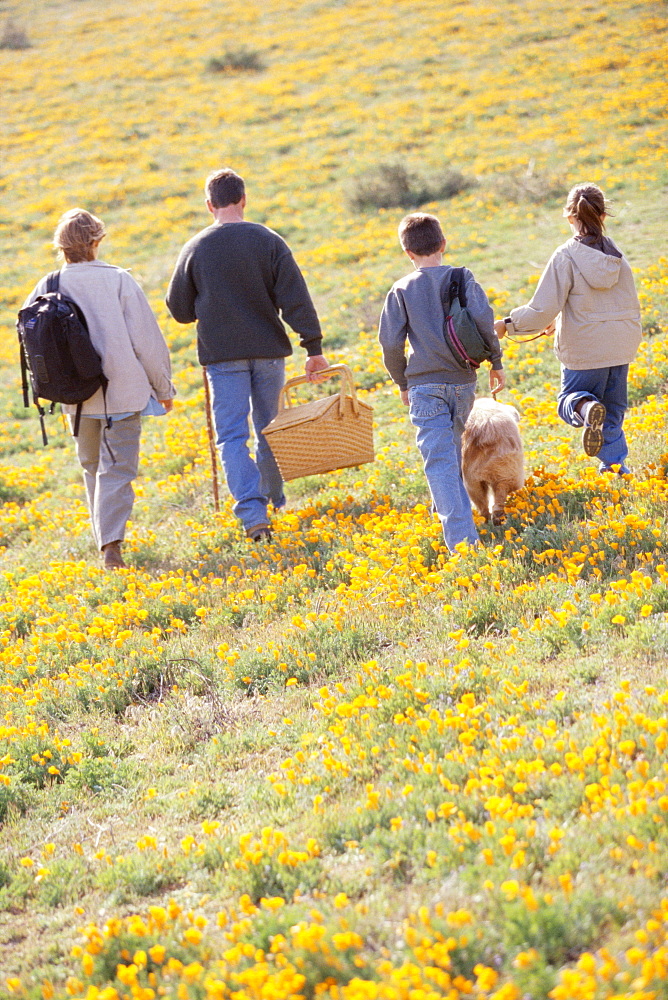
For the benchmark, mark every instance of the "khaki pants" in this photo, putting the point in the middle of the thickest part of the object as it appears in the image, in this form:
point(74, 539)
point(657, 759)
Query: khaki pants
point(109, 485)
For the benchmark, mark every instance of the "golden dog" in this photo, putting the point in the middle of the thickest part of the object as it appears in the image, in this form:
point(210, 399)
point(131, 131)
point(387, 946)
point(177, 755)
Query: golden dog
point(492, 456)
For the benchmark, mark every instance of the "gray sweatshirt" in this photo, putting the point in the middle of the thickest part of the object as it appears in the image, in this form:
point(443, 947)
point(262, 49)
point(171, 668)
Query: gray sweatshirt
point(414, 310)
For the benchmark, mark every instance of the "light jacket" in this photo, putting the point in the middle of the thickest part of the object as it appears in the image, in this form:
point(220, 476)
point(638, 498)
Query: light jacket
point(593, 297)
point(124, 332)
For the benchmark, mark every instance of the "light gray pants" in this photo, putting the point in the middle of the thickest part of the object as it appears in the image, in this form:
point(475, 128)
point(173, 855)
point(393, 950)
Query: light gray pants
point(109, 486)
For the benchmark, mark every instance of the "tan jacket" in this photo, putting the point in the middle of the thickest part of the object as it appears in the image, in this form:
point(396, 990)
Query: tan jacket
point(593, 297)
point(123, 330)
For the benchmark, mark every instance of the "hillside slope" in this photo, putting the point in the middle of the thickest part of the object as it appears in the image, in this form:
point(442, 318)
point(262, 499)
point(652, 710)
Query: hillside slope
point(345, 765)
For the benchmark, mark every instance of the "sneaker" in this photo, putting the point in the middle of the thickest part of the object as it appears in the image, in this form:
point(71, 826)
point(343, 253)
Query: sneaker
point(111, 555)
point(615, 470)
point(593, 415)
point(259, 533)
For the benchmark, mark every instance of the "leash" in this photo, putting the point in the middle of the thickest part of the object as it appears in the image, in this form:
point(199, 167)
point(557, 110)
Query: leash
point(526, 340)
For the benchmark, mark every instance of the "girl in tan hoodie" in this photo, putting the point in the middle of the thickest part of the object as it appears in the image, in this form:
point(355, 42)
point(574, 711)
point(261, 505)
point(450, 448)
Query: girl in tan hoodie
point(588, 287)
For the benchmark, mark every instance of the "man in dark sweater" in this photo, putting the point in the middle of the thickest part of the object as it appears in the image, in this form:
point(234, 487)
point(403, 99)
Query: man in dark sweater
point(239, 280)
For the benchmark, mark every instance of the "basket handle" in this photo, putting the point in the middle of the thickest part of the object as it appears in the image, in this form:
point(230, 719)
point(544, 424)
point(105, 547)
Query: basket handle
point(347, 387)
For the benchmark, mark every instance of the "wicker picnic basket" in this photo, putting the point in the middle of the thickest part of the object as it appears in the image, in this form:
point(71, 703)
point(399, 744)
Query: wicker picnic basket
point(334, 432)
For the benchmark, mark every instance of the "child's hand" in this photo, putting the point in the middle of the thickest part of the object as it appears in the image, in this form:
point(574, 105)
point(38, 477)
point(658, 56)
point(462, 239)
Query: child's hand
point(500, 328)
point(497, 380)
point(403, 394)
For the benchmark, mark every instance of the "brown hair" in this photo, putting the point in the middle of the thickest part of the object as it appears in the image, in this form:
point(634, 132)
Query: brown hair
point(224, 187)
point(586, 203)
point(421, 234)
point(76, 233)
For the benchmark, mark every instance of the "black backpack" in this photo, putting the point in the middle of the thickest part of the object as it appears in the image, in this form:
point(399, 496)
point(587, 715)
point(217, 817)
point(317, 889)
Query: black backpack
point(459, 330)
point(57, 353)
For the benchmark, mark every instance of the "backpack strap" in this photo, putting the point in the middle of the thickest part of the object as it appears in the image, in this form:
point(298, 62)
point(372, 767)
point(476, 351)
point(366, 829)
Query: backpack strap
point(24, 373)
point(108, 423)
point(41, 412)
point(53, 281)
point(77, 421)
point(26, 389)
point(456, 287)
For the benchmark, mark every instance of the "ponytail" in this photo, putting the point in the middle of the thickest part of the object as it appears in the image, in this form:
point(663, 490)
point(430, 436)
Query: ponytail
point(586, 203)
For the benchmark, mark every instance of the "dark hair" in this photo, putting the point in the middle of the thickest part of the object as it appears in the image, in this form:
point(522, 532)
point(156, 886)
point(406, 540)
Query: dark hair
point(586, 203)
point(224, 187)
point(421, 234)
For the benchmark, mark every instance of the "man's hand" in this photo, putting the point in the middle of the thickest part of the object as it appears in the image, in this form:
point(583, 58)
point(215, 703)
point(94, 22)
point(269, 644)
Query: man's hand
point(497, 380)
point(403, 395)
point(167, 403)
point(500, 328)
point(315, 364)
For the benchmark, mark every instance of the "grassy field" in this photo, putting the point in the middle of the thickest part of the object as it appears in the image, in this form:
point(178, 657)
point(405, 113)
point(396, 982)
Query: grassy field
point(345, 765)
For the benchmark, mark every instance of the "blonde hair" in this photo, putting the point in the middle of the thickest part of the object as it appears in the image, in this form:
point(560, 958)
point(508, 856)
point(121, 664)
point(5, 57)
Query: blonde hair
point(76, 233)
point(586, 203)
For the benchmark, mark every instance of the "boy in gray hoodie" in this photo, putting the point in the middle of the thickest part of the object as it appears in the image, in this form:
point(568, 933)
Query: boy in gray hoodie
point(438, 392)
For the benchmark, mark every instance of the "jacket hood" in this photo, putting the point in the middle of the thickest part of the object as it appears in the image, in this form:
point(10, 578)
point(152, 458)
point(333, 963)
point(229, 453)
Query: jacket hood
point(599, 270)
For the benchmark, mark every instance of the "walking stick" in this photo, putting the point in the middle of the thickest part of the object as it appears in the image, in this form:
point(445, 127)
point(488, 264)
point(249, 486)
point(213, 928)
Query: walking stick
point(212, 443)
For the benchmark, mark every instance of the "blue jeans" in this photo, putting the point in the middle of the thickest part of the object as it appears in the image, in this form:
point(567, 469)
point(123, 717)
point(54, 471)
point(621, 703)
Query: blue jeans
point(439, 413)
point(240, 389)
point(608, 386)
